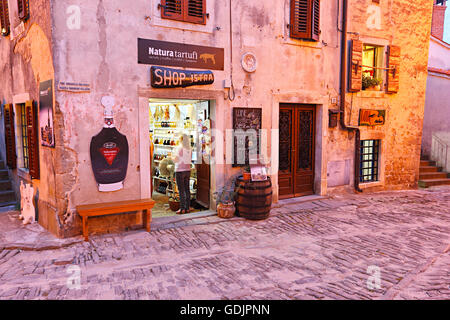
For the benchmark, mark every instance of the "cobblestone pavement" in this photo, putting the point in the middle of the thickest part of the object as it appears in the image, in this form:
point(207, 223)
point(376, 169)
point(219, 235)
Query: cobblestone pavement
point(325, 249)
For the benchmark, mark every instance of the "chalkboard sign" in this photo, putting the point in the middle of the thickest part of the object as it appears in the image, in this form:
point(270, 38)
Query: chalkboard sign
point(246, 134)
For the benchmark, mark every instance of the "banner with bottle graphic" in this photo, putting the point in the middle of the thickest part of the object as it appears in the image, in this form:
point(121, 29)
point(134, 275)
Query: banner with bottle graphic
point(46, 114)
point(109, 153)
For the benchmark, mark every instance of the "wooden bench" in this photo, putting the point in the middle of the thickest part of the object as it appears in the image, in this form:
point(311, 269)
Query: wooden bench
point(102, 209)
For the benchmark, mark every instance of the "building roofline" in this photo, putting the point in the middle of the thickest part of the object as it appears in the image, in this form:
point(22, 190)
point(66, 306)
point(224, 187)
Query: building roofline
point(440, 41)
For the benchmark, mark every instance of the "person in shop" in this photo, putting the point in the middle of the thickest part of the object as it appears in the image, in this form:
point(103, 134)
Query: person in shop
point(182, 157)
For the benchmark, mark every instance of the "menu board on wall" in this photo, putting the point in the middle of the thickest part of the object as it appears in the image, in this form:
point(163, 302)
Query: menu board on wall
point(246, 134)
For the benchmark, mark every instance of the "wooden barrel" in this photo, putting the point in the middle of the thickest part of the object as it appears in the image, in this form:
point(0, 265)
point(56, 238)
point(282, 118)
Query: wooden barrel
point(253, 198)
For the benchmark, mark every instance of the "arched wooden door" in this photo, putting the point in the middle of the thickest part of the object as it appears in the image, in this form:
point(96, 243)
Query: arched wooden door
point(296, 151)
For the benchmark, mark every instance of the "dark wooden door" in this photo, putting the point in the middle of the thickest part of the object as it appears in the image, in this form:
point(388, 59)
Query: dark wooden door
point(296, 151)
point(203, 184)
point(203, 170)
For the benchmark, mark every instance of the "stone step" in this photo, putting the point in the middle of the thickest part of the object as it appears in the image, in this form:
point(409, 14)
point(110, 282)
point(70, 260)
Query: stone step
point(4, 174)
point(5, 185)
point(7, 196)
point(432, 175)
point(429, 169)
point(433, 182)
point(426, 163)
point(7, 204)
point(2, 165)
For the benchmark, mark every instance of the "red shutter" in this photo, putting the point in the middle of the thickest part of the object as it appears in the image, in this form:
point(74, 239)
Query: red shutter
point(355, 69)
point(393, 74)
point(10, 136)
point(300, 22)
point(24, 9)
point(33, 138)
point(4, 17)
point(172, 9)
point(195, 11)
point(316, 20)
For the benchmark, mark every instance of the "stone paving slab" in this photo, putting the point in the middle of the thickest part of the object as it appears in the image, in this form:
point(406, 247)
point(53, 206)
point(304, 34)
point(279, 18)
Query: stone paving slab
point(388, 245)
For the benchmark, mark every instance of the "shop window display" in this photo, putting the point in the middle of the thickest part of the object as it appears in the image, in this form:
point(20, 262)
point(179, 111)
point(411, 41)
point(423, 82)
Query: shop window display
point(169, 119)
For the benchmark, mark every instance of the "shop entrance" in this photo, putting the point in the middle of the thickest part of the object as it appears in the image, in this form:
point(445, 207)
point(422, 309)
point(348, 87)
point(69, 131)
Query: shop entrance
point(168, 120)
point(296, 151)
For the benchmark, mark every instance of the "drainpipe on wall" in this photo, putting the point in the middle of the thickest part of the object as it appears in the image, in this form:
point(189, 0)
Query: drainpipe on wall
point(342, 94)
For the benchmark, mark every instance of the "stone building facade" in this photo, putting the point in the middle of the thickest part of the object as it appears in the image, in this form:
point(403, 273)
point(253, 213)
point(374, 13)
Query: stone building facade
point(325, 133)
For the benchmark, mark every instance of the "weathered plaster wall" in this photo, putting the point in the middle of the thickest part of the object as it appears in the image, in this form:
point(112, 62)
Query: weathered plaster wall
point(437, 103)
point(103, 53)
point(25, 61)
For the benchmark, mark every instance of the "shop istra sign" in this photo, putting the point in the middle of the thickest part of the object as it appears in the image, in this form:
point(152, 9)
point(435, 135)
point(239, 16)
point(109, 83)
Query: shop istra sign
point(162, 77)
point(371, 117)
point(163, 53)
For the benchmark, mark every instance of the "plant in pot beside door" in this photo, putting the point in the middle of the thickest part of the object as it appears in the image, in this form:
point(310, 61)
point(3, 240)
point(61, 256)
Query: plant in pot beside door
point(174, 202)
point(225, 203)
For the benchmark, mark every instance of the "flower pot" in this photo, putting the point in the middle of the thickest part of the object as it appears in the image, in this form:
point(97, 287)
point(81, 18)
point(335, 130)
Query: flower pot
point(226, 210)
point(246, 176)
point(174, 205)
point(374, 88)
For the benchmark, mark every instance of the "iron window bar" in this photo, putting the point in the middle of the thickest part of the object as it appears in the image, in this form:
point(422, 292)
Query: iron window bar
point(357, 66)
point(369, 160)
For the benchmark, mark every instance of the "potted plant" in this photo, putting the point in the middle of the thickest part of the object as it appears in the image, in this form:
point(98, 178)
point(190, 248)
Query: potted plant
point(225, 203)
point(369, 83)
point(246, 175)
point(174, 202)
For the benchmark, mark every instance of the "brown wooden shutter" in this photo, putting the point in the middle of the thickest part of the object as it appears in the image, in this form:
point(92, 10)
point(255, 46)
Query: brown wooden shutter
point(33, 138)
point(393, 73)
point(195, 11)
point(172, 9)
point(10, 136)
point(300, 20)
point(355, 68)
point(4, 17)
point(24, 9)
point(305, 19)
point(316, 20)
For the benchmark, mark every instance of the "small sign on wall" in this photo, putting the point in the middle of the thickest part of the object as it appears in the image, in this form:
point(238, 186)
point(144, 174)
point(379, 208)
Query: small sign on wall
point(372, 117)
point(76, 87)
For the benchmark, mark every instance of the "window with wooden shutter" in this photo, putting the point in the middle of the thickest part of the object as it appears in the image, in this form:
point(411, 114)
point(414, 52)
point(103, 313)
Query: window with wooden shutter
point(305, 19)
point(4, 17)
point(193, 11)
point(316, 20)
point(33, 138)
point(393, 72)
point(355, 68)
point(10, 137)
point(24, 9)
point(172, 9)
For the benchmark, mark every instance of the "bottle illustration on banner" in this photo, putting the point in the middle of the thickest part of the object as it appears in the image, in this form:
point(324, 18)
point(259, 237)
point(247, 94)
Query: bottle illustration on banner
point(109, 152)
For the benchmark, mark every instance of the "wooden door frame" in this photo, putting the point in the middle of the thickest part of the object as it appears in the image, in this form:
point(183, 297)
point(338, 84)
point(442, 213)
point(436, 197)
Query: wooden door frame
point(295, 107)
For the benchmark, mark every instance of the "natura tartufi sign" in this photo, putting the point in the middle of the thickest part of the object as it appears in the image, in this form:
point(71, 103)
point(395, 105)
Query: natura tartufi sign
point(163, 53)
point(162, 77)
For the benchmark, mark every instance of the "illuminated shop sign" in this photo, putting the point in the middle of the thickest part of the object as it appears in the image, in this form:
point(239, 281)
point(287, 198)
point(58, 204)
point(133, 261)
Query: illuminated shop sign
point(162, 77)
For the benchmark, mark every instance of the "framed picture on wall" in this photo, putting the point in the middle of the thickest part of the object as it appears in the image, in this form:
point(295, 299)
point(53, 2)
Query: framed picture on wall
point(47, 131)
